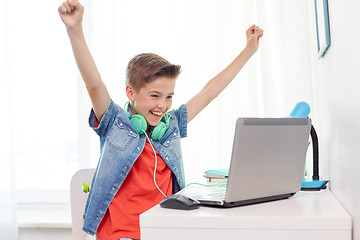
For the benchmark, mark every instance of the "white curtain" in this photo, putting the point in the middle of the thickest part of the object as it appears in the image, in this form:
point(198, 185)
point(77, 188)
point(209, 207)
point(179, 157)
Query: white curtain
point(286, 53)
point(8, 226)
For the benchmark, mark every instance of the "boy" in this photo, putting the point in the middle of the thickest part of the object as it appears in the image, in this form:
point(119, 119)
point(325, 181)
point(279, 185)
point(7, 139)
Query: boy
point(135, 172)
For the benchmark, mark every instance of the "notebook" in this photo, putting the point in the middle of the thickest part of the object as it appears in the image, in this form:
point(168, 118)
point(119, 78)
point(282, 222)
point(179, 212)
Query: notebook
point(267, 163)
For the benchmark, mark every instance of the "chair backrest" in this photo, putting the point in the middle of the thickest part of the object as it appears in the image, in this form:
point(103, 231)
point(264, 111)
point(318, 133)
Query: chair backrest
point(78, 201)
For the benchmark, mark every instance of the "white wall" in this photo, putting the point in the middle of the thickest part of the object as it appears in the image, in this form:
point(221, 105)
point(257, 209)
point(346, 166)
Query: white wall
point(336, 94)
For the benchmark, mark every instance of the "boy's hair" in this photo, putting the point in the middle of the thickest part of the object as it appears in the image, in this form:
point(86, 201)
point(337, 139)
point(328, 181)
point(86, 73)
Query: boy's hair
point(146, 67)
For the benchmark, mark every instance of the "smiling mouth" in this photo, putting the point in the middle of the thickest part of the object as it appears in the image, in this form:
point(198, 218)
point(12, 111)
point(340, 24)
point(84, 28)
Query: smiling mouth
point(158, 114)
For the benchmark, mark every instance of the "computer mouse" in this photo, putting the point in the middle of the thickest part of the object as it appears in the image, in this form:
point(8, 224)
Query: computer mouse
point(178, 201)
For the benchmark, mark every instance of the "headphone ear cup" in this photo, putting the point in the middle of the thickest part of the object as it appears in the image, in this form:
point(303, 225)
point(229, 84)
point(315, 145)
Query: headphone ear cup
point(139, 123)
point(158, 131)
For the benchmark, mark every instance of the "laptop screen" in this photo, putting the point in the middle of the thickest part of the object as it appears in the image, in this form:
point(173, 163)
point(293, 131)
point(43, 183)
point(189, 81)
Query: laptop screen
point(268, 157)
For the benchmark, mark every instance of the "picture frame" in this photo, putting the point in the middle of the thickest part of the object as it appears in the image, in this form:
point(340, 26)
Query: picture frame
point(322, 26)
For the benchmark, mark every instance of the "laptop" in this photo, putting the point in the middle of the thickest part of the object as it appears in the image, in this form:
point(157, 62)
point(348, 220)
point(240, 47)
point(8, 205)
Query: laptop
point(267, 163)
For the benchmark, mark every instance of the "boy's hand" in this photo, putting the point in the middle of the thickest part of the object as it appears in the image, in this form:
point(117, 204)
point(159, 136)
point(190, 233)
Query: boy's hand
point(253, 35)
point(71, 13)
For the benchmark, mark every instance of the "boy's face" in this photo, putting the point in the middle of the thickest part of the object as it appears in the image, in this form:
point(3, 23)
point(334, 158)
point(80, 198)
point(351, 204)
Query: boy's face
point(153, 100)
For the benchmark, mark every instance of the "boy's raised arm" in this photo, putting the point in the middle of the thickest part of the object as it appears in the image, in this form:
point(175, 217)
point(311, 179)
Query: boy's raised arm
point(71, 13)
point(217, 84)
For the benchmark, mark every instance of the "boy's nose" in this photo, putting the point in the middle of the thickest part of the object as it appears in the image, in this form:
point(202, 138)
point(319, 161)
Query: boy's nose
point(161, 104)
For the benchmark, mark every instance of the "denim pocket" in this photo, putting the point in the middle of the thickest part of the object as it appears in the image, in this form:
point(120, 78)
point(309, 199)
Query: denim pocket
point(171, 142)
point(120, 135)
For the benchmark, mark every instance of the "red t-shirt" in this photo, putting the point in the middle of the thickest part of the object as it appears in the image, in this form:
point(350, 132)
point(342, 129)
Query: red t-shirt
point(137, 194)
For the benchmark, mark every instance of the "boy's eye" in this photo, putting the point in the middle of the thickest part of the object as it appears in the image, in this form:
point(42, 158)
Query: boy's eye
point(154, 96)
point(169, 97)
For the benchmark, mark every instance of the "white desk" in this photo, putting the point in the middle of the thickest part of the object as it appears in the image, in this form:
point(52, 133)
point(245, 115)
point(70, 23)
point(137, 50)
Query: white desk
point(307, 215)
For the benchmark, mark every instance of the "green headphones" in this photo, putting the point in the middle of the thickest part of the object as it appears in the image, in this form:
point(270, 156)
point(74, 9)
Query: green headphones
point(140, 124)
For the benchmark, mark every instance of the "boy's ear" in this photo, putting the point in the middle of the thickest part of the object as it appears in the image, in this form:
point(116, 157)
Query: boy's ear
point(130, 92)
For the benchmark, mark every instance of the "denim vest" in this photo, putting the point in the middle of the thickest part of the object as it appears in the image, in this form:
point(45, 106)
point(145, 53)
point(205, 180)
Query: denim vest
point(120, 146)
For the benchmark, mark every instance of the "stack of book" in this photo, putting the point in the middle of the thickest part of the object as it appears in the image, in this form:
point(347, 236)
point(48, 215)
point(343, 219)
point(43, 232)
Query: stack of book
point(216, 175)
